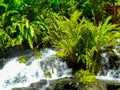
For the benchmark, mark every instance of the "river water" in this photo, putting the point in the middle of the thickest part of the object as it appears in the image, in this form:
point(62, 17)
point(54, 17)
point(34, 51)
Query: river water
point(48, 67)
point(110, 71)
point(15, 74)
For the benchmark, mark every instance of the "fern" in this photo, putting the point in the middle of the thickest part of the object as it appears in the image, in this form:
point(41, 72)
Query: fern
point(81, 40)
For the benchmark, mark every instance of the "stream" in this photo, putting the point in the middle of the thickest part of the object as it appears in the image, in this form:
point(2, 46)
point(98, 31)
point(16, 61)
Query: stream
point(110, 70)
point(48, 67)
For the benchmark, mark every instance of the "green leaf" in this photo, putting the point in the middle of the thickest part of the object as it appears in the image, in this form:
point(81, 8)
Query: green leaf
point(31, 31)
point(30, 41)
point(4, 5)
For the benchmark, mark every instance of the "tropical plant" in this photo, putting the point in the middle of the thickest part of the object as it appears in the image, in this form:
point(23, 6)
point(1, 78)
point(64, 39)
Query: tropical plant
point(4, 23)
point(80, 40)
point(84, 77)
point(94, 38)
point(19, 25)
point(64, 33)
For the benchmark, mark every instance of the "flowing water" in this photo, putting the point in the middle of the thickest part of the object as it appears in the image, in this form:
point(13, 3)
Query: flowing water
point(48, 67)
point(110, 70)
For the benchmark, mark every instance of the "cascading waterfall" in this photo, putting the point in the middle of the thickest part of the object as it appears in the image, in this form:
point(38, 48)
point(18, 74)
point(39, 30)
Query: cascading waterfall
point(110, 72)
point(14, 74)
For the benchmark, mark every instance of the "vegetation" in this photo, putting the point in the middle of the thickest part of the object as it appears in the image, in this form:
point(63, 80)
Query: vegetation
point(80, 39)
point(37, 54)
point(47, 74)
point(84, 77)
point(78, 28)
point(22, 59)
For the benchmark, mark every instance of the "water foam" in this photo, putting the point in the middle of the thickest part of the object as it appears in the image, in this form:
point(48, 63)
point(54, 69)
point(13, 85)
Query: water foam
point(112, 74)
point(15, 74)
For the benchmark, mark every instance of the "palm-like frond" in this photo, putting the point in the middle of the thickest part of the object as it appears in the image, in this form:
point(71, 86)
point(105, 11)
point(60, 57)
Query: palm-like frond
point(80, 39)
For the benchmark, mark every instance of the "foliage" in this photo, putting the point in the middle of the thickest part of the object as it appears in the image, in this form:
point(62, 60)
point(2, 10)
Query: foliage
point(75, 27)
point(48, 74)
point(22, 59)
point(15, 14)
point(94, 37)
point(23, 20)
point(84, 77)
point(64, 33)
point(19, 30)
point(80, 40)
point(18, 26)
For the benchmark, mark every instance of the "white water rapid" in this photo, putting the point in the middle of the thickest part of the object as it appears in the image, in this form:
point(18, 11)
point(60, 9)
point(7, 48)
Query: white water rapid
point(110, 72)
point(14, 74)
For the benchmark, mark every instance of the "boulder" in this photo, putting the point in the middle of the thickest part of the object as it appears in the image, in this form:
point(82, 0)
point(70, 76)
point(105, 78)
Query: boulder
point(33, 86)
point(68, 84)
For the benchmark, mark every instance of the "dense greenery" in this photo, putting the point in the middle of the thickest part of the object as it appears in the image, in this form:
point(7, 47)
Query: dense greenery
point(82, 41)
point(77, 28)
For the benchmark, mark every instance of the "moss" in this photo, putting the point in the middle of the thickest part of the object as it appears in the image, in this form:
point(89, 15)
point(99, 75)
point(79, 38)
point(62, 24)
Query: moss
point(22, 59)
point(71, 84)
point(60, 54)
point(84, 76)
point(37, 54)
point(63, 84)
point(48, 74)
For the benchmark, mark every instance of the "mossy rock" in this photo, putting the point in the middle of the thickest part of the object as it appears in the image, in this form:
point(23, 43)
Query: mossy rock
point(33, 86)
point(48, 74)
point(96, 85)
point(69, 84)
point(63, 84)
point(37, 54)
point(22, 59)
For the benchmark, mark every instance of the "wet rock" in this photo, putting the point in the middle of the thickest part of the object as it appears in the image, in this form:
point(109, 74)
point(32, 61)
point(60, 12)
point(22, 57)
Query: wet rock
point(68, 84)
point(63, 84)
point(17, 51)
point(24, 89)
point(103, 70)
point(113, 87)
point(60, 84)
point(112, 61)
point(33, 86)
point(3, 61)
point(39, 84)
point(97, 85)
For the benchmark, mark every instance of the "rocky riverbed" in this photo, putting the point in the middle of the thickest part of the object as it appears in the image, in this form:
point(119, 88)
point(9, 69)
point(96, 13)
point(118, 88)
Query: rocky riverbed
point(67, 84)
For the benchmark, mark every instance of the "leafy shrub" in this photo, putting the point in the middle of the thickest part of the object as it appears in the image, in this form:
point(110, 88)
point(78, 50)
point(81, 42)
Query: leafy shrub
point(19, 30)
point(81, 40)
point(84, 77)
